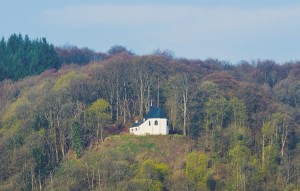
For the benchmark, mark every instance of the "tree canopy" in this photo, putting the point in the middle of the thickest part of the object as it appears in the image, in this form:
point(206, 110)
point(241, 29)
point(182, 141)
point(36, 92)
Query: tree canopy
point(21, 57)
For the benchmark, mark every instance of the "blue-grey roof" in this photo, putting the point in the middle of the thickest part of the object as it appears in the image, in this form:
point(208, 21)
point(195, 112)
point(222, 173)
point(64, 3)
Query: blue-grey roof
point(136, 124)
point(155, 112)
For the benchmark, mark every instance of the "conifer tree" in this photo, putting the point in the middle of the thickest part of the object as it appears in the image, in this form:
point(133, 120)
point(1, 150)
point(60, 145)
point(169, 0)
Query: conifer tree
point(76, 139)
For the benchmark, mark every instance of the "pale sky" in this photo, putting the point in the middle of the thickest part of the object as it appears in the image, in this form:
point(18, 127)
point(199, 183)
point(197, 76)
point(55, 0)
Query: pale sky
point(231, 30)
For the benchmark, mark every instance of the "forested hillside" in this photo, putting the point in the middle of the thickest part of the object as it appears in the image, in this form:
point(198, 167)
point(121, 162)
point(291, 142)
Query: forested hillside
point(67, 128)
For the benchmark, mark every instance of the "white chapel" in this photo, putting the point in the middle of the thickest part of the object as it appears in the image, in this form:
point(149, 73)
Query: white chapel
point(154, 123)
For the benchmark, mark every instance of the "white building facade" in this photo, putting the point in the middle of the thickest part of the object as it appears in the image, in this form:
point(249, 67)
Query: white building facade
point(154, 123)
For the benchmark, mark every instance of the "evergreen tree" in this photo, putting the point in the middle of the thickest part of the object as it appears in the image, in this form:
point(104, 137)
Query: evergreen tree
point(21, 57)
point(76, 140)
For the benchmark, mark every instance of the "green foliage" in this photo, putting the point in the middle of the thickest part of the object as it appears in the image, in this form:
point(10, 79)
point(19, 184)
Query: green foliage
point(13, 113)
point(37, 154)
point(196, 165)
point(197, 169)
point(239, 155)
point(76, 139)
point(271, 160)
point(99, 109)
point(16, 140)
point(39, 123)
point(21, 57)
point(98, 112)
point(216, 113)
point(147, 184)
point(65, 80)
point(239, 112)
point(151, 175)
point(150, 169)
point(70, 176)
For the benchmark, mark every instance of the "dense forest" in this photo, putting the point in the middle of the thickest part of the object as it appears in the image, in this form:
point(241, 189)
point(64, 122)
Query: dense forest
point(21, 57)
point(65, 125)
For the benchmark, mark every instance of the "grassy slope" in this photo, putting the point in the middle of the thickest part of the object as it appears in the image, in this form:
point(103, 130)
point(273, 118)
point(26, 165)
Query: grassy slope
point(170, 149)
point(118, 160)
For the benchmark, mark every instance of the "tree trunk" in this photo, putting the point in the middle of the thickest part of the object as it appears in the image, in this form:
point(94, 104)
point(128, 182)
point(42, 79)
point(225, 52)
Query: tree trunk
point(51, 181)
point(98, 127)
point(263, 152)
point(283, 141)
point(101, 133)
point(62, 145)
point(32, 179)
point(184, 114)
point(141, 96)
point(124, 104)
point(99, 178)
point(118, 98)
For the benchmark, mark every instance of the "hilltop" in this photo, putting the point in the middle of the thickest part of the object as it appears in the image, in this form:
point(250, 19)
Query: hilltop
point(116, 164)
